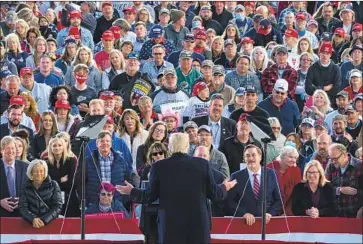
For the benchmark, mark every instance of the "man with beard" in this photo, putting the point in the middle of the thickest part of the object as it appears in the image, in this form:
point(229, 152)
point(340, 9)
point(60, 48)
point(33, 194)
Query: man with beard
point(15, 114)
point(340, 135)
point(105, 21)
point(322, 154)
point(280, 106)
point(221, 127)
point(206, 14)
point(342, 101)
point(200, 46)
point(132, 84)
point(75, 18)
point(217, 159)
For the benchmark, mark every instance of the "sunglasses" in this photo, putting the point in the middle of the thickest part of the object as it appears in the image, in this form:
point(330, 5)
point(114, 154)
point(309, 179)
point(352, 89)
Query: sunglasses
point(106, 194)
point(157, 53)
point(157, 153)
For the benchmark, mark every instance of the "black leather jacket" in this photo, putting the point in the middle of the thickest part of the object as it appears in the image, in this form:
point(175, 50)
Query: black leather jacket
point(44, 203)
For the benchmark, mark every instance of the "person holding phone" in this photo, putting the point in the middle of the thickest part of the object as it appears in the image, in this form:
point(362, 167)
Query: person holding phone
point(317, 106)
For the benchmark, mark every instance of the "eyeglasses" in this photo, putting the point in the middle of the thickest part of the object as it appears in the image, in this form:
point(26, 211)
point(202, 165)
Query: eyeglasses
point(189, 41)
point(170, 121)
point(159, 130)
point(154, 154)
point(218, 75)
point(217, 96)
point(157, 53)
point(312, 172)
point(337, 158)
point(106, 194)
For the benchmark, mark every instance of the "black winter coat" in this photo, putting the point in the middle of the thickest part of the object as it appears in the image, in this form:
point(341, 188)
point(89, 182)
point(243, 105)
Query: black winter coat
point(44, 203)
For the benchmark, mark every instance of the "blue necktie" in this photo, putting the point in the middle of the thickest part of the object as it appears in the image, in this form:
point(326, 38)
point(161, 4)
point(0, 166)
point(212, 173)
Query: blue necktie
point(11, 184)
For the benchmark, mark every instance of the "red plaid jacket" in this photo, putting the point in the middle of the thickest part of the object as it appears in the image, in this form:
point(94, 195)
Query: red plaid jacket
point(270, 75)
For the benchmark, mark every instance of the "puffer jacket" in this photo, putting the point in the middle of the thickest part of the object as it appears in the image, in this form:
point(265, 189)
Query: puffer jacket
point(44, 203)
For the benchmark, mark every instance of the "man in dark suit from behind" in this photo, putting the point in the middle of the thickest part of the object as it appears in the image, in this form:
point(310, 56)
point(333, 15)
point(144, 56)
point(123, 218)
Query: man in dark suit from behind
point(246, 198)
point(15, 114)
point(182, 184)
point(221, 127)
point(13, 176)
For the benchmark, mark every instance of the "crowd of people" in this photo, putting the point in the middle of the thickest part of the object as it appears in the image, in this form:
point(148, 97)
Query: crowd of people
point(200, 68)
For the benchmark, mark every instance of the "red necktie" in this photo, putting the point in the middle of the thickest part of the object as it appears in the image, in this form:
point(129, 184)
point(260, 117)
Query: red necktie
point(256, 186)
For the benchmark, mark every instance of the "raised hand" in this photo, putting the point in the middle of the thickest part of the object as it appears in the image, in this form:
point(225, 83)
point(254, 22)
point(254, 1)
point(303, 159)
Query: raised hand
point(229, 184)
point(125, 190)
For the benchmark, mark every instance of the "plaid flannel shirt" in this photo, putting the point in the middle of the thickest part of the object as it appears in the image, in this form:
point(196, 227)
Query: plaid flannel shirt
point(270, 75)
point(105, 166)
point(346, 205)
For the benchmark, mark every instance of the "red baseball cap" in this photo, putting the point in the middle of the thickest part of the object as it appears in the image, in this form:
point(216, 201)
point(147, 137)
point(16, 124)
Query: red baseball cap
point(16, 99)
point(74, 31)
point(243, 117)
point(116, 31)
point(75, 14)
point(107, 95)
point(339, 31)
point(300, 16)
point(264, 30)
point(129, 9)
point(104, 4)
point(357, 27)
point(107, 36)
point(62, 104)
point(291, 33)
point(198, 87)
point(326, 47)
point(247, 39)
point(201, 34)
point(26, 70)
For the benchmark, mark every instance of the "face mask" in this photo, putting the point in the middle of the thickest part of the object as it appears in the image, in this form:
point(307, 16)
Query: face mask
point(269, 53)
point(290, 143)
point(81, 79)
point(239, 16)
point(195, 24)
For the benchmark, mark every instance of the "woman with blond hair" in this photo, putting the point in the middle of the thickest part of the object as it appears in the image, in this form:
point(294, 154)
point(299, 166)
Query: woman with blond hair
point(61, 168)
point(21, 28)
point(47, 129)
point(320, 108)
point(21, 149)
point(14, 51)
point(40, 48)
point(314, 196)
point(259, 60)
point(117, 63)
point(132, 132)
point(217, 47)
point(84, 56)
point(31, 108)
point(143, 15)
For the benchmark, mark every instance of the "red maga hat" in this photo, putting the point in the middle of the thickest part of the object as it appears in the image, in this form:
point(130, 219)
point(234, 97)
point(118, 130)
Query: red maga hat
point(62, 104)
point(291, 33)
point(116, 31)
point(107, 36)
point(326, 47)
point(26, 70)
point(16, 99)
point(75, 14)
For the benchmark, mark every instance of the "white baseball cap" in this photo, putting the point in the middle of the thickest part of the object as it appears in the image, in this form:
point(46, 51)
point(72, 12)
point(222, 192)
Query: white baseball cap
point(355, 73)
point(281, 85)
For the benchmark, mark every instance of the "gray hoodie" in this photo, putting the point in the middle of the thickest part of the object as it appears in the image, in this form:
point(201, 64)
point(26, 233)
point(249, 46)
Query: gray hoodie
point(176, 38)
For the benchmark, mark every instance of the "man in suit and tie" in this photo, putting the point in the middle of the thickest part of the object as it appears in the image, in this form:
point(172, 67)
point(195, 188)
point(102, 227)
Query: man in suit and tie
point(221, 127)
point(245, 199)
point(13, 177)
point(15, 113)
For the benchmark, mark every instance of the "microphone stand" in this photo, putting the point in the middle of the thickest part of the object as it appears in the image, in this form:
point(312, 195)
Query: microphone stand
point(264, 205)
point(84, 140)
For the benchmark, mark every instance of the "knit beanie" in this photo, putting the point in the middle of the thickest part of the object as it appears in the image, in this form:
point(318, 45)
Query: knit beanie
point(176, 15)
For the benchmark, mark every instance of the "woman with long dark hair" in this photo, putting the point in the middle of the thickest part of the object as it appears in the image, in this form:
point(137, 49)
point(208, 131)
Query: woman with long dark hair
point(157, 133)
point(62, 93)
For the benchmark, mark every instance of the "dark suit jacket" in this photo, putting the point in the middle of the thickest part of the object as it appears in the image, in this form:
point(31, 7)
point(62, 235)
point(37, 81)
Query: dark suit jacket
point(4, 131)
point(249, 204)
point(182, 184)
point(301, 200)
point(228, 126)
point(20, 178)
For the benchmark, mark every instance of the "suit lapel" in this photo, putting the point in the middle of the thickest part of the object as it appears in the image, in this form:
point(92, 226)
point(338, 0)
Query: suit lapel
point(4, 182)
point(246, 176)
point(18, 177)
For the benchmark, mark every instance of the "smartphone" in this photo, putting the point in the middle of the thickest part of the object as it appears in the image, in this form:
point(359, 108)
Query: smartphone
point(14, 199)
point(309, 102)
